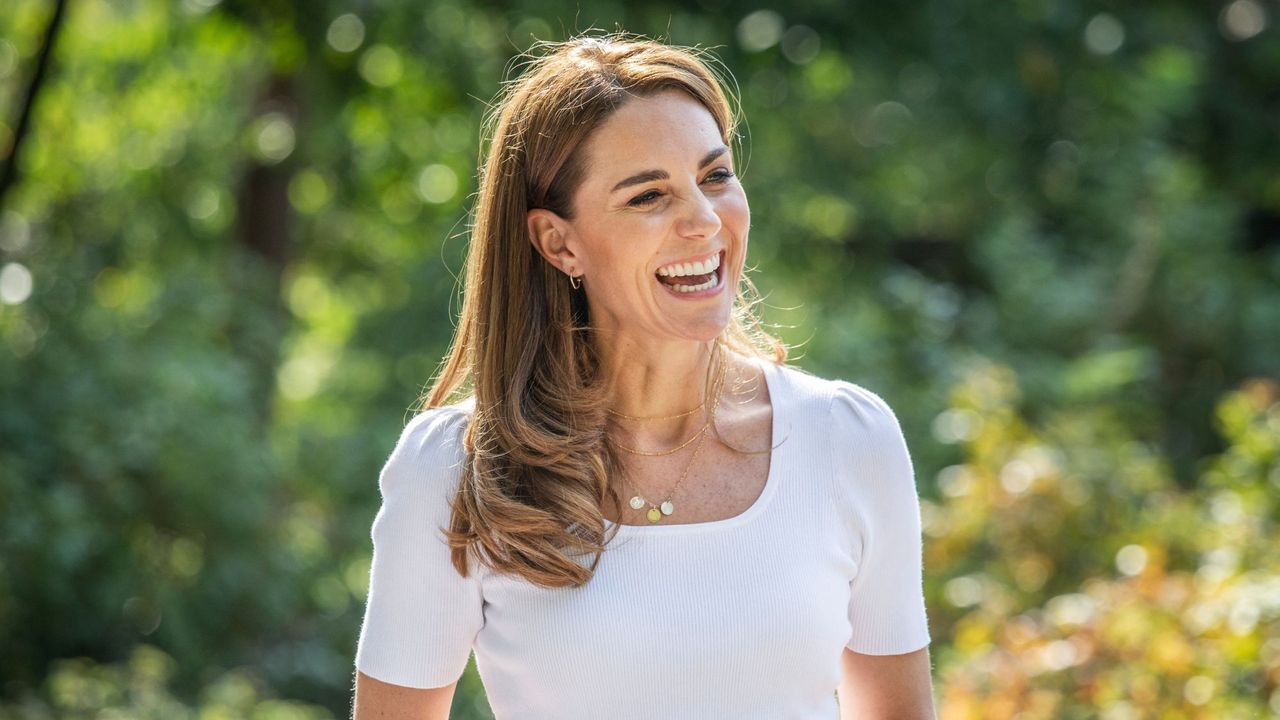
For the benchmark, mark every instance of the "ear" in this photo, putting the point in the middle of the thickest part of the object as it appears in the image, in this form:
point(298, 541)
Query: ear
point(551, 236)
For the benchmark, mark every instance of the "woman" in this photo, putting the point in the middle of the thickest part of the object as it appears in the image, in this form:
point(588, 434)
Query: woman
point(636, 510)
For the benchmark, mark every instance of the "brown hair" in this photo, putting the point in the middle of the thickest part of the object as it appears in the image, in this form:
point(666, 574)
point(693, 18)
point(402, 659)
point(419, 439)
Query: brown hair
point(539, 461)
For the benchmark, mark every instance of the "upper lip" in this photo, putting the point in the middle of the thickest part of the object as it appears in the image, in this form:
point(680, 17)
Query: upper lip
point(693, 259)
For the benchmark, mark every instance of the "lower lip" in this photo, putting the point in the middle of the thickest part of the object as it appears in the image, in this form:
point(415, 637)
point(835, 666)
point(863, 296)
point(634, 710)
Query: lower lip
point(709, 292)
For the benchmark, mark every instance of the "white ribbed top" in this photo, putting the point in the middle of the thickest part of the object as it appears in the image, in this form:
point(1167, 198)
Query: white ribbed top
point(739, 618)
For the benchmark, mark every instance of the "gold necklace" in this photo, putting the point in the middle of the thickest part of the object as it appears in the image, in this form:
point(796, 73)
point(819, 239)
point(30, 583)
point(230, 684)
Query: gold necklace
point(666, 507)
point(672, 451)
point(716, 389)
point(686, 413)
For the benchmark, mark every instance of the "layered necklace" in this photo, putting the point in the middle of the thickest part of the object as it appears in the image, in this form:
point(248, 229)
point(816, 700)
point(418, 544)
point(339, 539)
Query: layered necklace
point(666, 507)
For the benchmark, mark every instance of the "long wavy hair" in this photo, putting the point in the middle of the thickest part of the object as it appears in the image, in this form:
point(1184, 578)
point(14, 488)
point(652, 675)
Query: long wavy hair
point(539, 463)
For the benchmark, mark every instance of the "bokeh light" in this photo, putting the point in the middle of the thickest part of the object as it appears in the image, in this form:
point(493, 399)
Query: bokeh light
point(16, 283)
point(1104, 34)
point(437, 183)
point(345, 33)
point(1242, 19)
point(760, 30)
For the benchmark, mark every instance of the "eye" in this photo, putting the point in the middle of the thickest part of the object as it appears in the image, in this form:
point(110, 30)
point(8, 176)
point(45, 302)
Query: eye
point(644, 198)
point(720, 176)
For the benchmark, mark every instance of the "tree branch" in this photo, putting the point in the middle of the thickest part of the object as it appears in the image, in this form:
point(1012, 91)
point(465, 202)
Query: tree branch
point(10, 174)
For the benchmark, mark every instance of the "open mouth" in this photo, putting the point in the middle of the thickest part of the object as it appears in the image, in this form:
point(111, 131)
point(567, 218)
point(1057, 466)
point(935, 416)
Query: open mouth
point(692, 277)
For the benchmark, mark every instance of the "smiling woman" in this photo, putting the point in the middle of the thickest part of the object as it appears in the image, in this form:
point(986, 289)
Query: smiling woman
point(767, 556)
point(636, 241)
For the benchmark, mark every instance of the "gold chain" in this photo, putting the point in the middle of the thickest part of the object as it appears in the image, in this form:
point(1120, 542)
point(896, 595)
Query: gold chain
point(666, 507)
point(716, 389)
point(672, 451)
point(686, 413)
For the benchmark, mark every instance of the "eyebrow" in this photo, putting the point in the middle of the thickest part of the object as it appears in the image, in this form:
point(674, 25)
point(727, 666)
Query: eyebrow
point(651, 175)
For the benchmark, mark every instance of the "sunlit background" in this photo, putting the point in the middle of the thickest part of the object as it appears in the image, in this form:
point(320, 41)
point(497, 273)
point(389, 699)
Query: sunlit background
point(1048, 233)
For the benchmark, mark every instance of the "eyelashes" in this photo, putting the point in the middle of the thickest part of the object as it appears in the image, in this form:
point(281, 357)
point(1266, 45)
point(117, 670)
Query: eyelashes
point(719, 177)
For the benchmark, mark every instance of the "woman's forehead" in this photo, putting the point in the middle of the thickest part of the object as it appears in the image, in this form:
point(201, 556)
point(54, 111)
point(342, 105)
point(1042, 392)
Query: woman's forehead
point(665, 129)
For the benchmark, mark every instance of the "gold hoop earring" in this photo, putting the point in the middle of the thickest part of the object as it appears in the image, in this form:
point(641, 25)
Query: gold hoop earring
point(575, 282)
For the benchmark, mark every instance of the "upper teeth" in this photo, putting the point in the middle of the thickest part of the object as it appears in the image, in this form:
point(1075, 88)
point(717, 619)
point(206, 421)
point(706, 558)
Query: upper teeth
point(697, 268)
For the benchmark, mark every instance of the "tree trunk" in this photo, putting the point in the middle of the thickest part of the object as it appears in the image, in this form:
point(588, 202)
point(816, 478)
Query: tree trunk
point(263, 225)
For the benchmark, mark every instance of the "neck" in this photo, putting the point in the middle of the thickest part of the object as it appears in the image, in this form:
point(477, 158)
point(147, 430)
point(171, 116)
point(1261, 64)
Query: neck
point(652, 380)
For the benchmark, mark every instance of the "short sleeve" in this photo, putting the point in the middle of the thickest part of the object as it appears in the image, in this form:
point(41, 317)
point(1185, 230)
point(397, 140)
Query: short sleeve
point(421, 617)
point(875, 492)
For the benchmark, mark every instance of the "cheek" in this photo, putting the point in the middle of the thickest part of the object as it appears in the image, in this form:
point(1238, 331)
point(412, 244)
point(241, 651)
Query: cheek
point(620, 256)
point(735, 214)
point(734, 210)
point(627, 243)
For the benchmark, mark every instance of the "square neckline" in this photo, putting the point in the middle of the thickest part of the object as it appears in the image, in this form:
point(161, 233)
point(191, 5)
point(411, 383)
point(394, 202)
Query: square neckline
point(773, 381)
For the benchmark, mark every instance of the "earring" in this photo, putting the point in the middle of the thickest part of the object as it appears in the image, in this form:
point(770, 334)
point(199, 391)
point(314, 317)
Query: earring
point(575, 282)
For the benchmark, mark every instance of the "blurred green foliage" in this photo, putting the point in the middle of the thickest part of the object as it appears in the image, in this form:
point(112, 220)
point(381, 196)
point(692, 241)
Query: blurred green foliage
point(1079, 581)
point(138, 689)
point(1047, 232)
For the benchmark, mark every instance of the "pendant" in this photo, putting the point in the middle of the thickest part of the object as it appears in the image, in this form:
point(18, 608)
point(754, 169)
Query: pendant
point(637, 502)
point(667, 508)
point(654, 515)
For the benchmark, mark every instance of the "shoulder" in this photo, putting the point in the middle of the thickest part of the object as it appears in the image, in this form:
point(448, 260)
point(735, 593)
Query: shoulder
point(865, 445)
point(845, 407)
point(429, 450)
point(855, 408)
point(872, 478)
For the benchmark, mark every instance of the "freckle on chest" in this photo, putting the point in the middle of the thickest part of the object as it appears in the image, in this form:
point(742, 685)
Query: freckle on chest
point(721, 483)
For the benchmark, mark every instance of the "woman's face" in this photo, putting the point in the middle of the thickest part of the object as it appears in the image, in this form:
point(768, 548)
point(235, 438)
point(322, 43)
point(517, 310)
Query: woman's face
point(660, 221)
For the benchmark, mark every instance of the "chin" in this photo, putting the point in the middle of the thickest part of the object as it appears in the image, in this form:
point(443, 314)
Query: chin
point(711, 330)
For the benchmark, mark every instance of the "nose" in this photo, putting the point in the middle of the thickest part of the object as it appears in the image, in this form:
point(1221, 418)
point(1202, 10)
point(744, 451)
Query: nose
point(700, 218)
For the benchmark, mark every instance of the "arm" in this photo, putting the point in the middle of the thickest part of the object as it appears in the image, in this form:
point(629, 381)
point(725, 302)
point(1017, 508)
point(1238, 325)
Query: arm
point(376, 700)
point(885, 687)
point(421, 617)
point(885, 671)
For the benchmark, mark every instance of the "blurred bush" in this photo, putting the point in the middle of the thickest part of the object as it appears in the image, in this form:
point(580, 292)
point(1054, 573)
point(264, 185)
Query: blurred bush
point(138, 689)
point(1076, 580)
